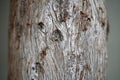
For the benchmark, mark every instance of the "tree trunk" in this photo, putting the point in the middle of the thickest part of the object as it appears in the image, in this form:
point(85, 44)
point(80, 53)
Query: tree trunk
point(57, 40)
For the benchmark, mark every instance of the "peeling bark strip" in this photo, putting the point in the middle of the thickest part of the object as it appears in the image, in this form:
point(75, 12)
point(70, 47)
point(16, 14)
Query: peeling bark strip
point(57, 40)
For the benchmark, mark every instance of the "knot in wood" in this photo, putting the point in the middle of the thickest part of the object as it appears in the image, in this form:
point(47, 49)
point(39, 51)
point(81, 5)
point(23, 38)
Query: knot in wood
point(57, 35)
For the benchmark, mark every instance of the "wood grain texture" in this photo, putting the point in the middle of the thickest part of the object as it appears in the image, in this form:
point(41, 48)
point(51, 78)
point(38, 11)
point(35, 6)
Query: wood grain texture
point(57, 40)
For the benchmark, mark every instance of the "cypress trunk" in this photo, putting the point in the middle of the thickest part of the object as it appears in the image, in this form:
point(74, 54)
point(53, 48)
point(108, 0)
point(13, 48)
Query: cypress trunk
point(57, 40)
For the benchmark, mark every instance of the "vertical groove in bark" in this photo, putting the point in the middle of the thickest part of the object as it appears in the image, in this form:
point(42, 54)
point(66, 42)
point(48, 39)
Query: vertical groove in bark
point(57, 40)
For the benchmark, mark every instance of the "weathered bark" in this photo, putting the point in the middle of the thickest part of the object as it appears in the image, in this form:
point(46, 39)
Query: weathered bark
point(57, 40)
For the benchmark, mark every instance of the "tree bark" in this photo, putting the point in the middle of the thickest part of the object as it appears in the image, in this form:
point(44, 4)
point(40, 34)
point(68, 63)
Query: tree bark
point(57, 40)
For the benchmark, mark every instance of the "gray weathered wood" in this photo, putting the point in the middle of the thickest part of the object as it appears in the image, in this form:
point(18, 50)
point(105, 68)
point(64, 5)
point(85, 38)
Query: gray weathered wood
point(57, 40)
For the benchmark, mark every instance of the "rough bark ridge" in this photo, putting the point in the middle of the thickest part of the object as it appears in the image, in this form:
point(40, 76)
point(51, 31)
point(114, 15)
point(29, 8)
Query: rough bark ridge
point(57, 40)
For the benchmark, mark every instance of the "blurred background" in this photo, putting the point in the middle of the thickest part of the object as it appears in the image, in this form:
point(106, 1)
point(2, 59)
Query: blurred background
point(113, 9)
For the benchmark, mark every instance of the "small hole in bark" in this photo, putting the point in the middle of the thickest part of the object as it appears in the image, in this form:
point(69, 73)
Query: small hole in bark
point(32, 79)
point(37, 63)
point(33, 68)
point(73, 6)
point(83, 14)
point(40, 25)
point(88, 19)
point(57, 35)
point(102, 23)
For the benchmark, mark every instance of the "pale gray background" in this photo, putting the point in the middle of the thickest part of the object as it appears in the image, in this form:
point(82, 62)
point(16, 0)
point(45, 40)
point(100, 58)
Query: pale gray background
point(113, 9)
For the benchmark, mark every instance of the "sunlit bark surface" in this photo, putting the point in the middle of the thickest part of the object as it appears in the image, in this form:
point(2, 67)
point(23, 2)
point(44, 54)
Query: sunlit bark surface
point(57, 40)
